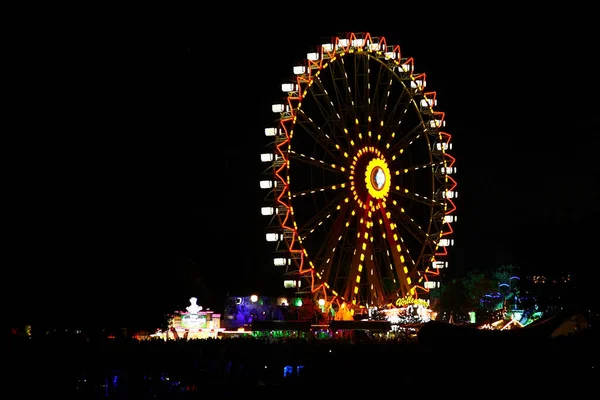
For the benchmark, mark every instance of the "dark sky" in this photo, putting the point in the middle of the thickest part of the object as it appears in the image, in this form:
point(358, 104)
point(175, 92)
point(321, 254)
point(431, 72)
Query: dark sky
point(135, 155)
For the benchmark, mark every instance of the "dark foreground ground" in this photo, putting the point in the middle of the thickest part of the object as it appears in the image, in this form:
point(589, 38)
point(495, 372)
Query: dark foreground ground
point(73, 368)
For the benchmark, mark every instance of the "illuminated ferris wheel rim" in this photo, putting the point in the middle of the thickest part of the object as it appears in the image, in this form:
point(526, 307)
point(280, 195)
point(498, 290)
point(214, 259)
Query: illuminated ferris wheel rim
point(376, 176)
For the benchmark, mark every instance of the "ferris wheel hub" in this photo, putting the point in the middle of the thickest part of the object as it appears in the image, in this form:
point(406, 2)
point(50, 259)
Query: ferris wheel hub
point(378, 178)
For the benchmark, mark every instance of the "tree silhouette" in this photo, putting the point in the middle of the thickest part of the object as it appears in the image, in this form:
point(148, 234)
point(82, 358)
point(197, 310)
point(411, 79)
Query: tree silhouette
point(477, 285)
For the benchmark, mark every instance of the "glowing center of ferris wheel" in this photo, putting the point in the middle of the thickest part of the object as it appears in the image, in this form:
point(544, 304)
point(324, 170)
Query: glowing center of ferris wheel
point(378, 177)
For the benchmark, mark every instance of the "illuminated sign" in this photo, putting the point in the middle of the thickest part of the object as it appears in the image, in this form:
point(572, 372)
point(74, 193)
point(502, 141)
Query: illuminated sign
point(192, 321)
point(411, 301)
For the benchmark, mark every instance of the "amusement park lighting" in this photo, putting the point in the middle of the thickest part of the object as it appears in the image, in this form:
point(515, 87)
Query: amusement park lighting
point(254, 298)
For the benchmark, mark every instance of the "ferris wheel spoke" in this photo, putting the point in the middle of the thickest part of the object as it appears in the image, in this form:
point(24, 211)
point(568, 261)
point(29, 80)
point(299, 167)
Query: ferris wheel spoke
point(379, 102)
point(389, 220)
point(317, 163)
point(340, 266)
point(331, 117)
point(333, 258)
point(409, 225)
point(342, 94)
point(412, 238)
point(327, 208)
point(407, 139)
point(361, 90)
point(419, 167)
point(415, 197)
point(394, 115)
point(325, 256)
point(313, 191)
point(350, 111)
point(352, 289)
point(400, 256)
point(321, 138)
point(375, 273)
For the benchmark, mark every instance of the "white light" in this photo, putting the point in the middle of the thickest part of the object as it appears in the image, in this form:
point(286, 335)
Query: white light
point(290, 283)
point(343, 43)
point(443, 146)
point(282, 301)
point(436, 123)
point(375, 46)
point(450, 194)
point(358, 42)
point(289, 87)
point(272, 237)
point(267, 184)
point(270, 131)
point(446, 242)
point(328, 47)
point(266, 157)
point(281, 261)
point(450, 218)
point(379, 178)
point(426, 103)
point(312, 56)
point(405, 67)
point(267, 210)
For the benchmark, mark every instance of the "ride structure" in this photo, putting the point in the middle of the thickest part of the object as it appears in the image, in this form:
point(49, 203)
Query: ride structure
point(359, 178)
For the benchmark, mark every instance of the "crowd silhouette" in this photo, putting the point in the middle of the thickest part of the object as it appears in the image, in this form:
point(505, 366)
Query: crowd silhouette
point(73, 364)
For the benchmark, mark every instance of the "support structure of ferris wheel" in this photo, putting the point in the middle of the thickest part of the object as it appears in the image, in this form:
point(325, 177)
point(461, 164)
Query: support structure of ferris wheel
point(359, 181)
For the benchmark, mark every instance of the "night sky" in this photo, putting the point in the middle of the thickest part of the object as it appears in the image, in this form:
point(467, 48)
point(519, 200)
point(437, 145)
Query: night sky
point(135, 157)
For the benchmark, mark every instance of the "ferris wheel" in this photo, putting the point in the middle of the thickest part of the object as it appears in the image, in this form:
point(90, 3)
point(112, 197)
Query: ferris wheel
point(359, 178)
